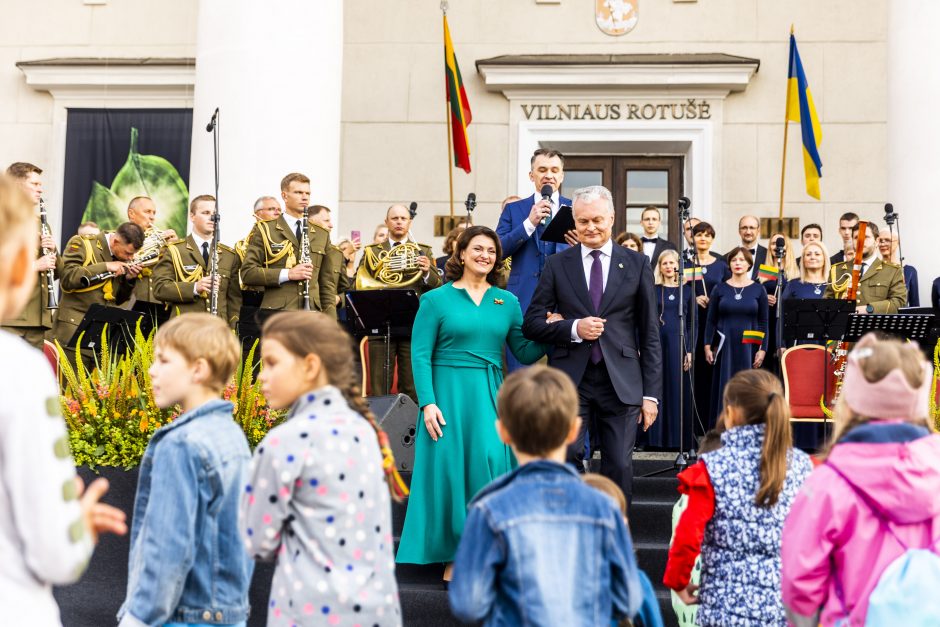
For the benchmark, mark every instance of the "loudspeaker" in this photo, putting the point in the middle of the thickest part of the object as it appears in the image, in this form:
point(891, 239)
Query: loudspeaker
point(397, 415)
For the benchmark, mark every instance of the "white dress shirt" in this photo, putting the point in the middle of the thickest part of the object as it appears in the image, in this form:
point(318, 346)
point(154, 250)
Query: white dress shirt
point(292, 225)
point(199, 242)
point(588, 261)
point(649, 247)
point(537, 198)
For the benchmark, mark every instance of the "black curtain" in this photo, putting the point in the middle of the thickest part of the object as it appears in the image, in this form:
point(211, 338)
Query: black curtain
point(97, 142)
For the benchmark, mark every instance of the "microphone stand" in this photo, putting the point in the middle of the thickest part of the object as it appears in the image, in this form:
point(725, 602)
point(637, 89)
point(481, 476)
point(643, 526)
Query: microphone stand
point(213, 127)
point(890, 219)
point(779, 252)
point(470, 204)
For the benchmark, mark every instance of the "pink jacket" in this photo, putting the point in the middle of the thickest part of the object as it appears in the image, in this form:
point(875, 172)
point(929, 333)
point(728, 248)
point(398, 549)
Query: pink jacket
point(833, 544)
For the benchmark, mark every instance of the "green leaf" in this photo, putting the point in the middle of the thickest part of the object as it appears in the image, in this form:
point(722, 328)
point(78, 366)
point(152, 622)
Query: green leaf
point(104, 208)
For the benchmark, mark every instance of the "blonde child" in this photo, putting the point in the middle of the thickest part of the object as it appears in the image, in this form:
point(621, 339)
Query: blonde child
point(186, 563)
point(318, 498)
point(739, 497)
point(860, 546)
point(47, 526)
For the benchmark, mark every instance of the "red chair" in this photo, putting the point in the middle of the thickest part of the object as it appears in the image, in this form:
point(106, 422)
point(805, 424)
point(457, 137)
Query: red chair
point(805, 369)
point(364, 358)
point(52, 355)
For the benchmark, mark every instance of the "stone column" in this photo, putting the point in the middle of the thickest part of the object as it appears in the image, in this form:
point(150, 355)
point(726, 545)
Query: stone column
point(274, 70)
point(913, 132)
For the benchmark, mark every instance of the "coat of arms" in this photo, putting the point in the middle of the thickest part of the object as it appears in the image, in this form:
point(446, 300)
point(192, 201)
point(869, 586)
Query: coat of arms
point(616, 17)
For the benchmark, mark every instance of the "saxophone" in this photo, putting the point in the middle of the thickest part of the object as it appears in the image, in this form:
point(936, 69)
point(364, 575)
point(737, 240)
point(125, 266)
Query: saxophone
point(50, 274)
point(305, 258)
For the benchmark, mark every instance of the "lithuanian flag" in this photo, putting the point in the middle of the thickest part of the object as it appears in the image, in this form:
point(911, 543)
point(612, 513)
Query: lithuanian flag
point(459, 105)
point(800, 108)
point(769, 273)
point(693, 273)
point(752, 337)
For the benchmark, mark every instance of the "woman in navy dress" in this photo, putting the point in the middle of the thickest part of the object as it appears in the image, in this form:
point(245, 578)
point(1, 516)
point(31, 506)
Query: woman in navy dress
point(814, 268)
point(710, 271)
point(737, 310)
point(665, 432)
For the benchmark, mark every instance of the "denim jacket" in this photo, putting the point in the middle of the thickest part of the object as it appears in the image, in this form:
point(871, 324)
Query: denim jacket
point(540, 547)
point(187, 563)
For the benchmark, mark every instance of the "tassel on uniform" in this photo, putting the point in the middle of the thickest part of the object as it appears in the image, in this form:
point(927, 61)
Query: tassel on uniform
point(388, 465)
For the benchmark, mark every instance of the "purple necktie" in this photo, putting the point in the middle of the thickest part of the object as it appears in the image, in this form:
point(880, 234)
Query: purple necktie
point(596, 291)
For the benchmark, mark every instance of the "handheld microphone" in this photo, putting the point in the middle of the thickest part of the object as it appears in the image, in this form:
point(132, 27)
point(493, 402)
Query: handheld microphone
point(413, 209)
point(471, 202)
point(212, 122)
point(546, 192)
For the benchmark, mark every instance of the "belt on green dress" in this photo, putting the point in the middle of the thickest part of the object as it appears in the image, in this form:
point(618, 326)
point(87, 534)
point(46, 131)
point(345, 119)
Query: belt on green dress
point(490, 361)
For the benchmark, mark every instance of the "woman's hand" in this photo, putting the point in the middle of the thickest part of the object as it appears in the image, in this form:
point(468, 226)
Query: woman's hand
point(687, 595)
point(759, 358)
point(709, 356)
point(702, 301)
point(551, 317)
point(433, 421)
point(771, 300)
point(687, 362)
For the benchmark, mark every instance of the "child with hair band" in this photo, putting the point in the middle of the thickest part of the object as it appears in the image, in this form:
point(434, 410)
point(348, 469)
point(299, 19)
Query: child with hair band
point(186, 566)
point(739, 497)
point(861, 544)
point(319, 495)
point(648, 615)
point(48, 527)
point(522, 555)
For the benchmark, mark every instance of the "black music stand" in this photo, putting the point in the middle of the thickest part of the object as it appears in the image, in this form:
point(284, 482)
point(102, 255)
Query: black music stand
point(906, 326)
point(154, 314)
point(389, 313)
point(122, 325)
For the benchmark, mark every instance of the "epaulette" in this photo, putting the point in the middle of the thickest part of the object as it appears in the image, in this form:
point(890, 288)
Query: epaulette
point(892, 264)
point(87, 236)
point(228, 248)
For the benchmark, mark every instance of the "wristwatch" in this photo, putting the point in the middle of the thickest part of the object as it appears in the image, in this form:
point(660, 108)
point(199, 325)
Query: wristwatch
point(870, 309)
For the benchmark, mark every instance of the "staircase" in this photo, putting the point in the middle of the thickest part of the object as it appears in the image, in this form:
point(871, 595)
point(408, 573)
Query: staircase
point(424, 600)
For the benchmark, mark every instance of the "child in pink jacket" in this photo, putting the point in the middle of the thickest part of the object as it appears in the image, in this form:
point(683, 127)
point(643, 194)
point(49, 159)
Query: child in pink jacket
point(877, 487)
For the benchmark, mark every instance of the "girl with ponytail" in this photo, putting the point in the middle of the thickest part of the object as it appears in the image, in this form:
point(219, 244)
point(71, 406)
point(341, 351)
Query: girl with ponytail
point(739, 497)
point(319, 495)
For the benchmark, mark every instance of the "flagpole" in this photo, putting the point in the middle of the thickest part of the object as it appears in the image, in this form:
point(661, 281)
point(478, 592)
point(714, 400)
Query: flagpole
point(450, 134)
point(786, 127)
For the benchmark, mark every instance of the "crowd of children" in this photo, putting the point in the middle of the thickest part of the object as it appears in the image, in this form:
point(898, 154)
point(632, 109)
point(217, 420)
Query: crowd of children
point(851, 541)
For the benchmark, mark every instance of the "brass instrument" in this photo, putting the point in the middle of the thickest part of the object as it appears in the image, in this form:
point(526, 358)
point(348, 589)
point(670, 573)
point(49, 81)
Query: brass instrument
point(149, 259)
point(305, 258)
point(397, 267)
point(152, 248)
point(50, 274)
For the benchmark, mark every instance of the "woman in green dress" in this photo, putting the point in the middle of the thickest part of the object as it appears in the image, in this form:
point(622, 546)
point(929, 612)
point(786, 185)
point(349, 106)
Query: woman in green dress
point(456, 356)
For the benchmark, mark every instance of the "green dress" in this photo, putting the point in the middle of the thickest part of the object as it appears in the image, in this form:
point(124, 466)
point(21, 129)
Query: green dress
point(456, 357)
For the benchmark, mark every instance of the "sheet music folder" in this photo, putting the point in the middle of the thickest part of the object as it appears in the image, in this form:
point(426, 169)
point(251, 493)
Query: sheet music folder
point(559, 225)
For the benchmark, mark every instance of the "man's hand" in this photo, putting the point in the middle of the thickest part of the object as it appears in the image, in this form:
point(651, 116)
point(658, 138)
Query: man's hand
point(433, 421)
point(648, 414)
point(98, 517)
point(572, 238)
point(169, 235)
point(300, 272)
point(117, 267)
point(541, 209)
point(204, 285)
point(133, 270)
point(553, 317)
point(45, 263)
point(591, 328)
point(424, 264)
point(47, 242)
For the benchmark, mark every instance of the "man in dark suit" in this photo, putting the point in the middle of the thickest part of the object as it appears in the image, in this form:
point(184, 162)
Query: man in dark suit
point(847, 222)
point(653, 244)
point(749, 230)
point(608, 342)
point(520, 228)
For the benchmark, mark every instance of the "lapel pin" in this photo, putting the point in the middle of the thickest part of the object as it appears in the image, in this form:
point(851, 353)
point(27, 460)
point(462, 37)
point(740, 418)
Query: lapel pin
point(619, 265)
point(498, 301)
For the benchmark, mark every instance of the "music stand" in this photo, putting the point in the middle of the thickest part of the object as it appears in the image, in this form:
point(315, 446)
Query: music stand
point(154, 314)
point(906, 326)
point(389, 313)
point(121, 327)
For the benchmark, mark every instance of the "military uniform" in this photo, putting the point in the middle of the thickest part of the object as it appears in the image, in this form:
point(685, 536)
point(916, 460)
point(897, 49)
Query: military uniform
point(182, 265)
point(882, 285)
point(273, 247)
point(86, 256)
point(400, 350)
point(35, 321)
point(338, 279)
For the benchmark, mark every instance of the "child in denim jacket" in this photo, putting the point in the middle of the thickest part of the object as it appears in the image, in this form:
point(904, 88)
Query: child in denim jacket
point(539, 546)
point(187, 565)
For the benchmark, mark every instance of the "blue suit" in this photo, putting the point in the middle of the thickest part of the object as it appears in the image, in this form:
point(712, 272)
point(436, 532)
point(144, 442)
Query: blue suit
point(528, 254)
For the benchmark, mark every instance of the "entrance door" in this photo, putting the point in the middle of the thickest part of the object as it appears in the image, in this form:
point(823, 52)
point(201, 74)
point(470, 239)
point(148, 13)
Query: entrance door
point(635, 183)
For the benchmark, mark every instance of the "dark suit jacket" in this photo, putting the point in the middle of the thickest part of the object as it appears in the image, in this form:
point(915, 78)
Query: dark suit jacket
point(661, 245)
point(630, 342)
point(839, 257)
point(528, 253)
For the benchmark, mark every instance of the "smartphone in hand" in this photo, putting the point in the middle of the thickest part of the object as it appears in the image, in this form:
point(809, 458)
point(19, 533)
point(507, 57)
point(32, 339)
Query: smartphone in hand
point(355, 236)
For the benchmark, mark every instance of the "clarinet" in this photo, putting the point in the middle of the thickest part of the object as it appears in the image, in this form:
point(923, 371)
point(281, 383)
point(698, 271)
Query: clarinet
point(305, 258)
point(50, 274)
point(214, 266)
point(101, 277)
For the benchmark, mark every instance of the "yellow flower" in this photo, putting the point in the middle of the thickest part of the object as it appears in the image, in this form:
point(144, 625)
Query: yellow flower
point(143, 423)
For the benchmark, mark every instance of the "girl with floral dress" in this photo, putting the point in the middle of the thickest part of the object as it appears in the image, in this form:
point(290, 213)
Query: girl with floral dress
point(318, 497)
point(739, 497)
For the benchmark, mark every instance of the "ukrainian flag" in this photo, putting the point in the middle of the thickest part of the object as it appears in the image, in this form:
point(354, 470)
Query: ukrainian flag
point(800, 109)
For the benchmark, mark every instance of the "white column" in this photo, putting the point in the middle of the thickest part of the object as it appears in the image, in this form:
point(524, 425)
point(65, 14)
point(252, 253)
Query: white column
point(274, 70)
point(913, 128)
